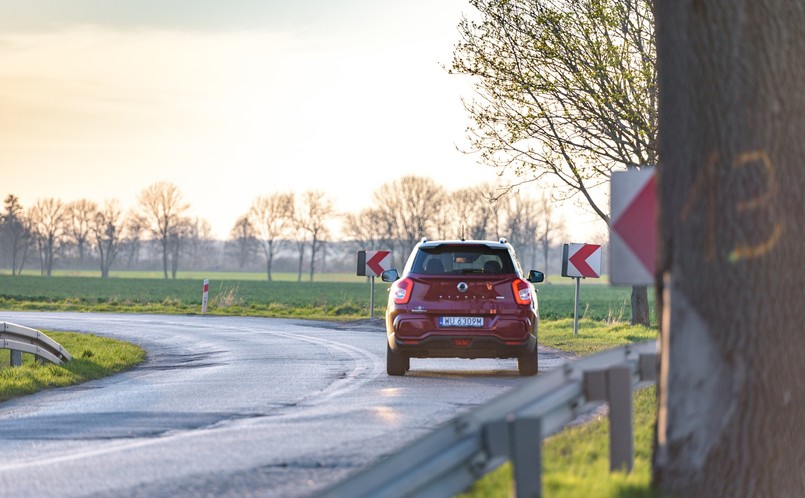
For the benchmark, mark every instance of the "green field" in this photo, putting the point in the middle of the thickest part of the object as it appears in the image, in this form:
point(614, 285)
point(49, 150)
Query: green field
point(342, 297)
point(200, 275)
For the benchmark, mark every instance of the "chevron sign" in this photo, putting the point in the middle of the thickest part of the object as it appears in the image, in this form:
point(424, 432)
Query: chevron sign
point(633, 236)
point(581, 260)
point(373, 263)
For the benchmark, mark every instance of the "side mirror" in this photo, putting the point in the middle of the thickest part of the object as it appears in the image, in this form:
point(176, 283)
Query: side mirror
point(389, 275)
point(535, 276)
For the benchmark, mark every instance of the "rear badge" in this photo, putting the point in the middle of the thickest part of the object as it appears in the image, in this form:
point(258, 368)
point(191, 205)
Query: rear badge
point(462, 287)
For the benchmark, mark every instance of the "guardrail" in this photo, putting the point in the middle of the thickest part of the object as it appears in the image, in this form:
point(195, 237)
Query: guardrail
point(512, 427)
point(21, 339)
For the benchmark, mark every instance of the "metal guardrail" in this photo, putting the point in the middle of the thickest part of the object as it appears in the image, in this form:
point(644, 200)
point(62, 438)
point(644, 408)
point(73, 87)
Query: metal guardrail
point(512, 427)
point(21, 339)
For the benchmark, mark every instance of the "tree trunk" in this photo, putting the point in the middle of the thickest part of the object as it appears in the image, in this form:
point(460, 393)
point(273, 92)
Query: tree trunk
point(313, 249)
point(640, 311)
point(165, 257)
point(269, 259)
point(731, 252)
point(301, 261)
point(175, 259)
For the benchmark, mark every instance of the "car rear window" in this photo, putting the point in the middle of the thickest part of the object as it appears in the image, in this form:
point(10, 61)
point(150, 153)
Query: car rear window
point(462, 260)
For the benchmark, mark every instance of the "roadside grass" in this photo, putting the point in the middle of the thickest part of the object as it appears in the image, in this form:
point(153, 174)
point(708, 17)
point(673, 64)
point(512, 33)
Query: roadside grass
point(575, 462)
point(93, 358)
point(593, 337)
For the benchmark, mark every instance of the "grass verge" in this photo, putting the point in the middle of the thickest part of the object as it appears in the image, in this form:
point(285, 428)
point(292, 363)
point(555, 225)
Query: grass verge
point(593, 337)
point(575, 462)
point(93, 358)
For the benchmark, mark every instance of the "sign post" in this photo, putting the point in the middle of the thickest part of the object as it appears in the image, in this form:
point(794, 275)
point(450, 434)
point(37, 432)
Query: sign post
point(371, 264)
point(580, 261)
point(204, 293)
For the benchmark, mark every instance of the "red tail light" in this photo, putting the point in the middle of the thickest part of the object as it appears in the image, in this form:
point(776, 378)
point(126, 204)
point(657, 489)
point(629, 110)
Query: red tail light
point(401, 291)
point(522, 291)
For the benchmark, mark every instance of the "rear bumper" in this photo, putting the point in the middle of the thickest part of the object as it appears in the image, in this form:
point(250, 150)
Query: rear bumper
point(477, 346)
point(504, 335)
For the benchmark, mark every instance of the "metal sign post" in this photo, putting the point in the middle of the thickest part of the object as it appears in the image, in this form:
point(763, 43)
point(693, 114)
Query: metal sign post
point(576, 309)
point(372, 299)
point(580, 261)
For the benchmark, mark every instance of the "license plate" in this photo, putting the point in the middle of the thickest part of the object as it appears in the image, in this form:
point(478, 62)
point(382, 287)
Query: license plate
point(461, 321)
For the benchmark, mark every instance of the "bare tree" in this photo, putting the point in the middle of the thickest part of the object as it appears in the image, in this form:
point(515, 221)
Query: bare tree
point(272, 218)
point(470, 213)
point(198, 243)
point(312, 216)
point(244, 237)
point(730, 186)
point(16, 232)
point(551, 229)
point(161, 207)
point(132, 238)
point(565, 88)
point(362, 230)
point(47, 220)
point(521, 221)
point(106, 228)
point(178, 239)
point(410, 206)
point(79, 217)
point(301, 244)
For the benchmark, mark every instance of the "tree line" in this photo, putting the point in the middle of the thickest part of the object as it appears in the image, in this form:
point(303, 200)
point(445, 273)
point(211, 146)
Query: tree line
point(285, 225)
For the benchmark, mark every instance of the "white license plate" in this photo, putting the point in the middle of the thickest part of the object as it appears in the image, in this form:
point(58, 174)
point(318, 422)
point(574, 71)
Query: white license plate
point(461, 321)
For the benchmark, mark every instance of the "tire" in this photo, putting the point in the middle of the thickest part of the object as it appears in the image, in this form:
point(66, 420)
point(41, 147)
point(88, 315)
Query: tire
point(527, 364)
point(396, 364)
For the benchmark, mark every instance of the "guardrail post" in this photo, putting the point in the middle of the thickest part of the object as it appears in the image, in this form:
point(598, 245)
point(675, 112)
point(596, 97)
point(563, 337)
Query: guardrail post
point(525, 446)
point(621, 438)
point(614, 385)
point(16, 358)
point(647, 366)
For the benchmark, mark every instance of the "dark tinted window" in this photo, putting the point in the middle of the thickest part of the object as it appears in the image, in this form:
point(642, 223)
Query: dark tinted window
point(462, 259)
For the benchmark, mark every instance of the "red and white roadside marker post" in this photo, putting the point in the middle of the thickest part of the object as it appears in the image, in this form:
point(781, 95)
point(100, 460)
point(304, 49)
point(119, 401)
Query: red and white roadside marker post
point(204, 293)
point(372, 264)
point(580, 261)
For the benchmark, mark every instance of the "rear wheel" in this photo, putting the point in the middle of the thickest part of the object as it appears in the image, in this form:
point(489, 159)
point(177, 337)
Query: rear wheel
point(527, 364)
point(396, 364)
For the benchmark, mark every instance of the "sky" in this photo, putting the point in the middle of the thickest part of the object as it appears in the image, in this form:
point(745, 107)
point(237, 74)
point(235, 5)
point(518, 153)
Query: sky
point(230, 100)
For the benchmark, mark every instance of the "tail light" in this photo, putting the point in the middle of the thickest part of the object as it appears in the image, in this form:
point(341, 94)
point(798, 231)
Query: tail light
point(401, 291)
point(522, 291)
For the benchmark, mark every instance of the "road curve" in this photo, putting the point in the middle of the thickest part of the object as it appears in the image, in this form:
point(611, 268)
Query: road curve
point(230, 406)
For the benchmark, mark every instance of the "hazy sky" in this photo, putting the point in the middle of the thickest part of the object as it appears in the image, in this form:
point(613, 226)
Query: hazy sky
point(229, 100)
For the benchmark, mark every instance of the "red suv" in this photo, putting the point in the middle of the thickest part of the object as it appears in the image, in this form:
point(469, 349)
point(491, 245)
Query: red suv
point(461, 299)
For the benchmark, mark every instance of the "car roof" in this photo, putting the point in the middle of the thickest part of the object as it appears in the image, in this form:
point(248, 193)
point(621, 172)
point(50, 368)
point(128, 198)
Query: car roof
point(501, 244)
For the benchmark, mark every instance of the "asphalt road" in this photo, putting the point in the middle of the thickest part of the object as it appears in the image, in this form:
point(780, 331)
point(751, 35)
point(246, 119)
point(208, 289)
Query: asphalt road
point(230, 406)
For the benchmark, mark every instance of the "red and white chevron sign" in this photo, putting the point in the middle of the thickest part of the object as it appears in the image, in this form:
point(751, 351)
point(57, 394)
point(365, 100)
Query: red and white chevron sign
point(581, 260)
point(373, 263)
point(633, 237)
